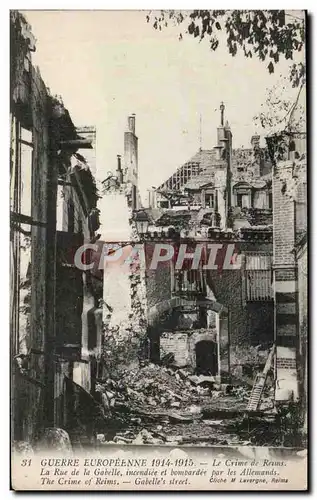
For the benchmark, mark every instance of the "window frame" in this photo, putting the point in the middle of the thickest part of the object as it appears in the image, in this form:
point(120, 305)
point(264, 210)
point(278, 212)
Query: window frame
point(208, 196)
point(21, 227)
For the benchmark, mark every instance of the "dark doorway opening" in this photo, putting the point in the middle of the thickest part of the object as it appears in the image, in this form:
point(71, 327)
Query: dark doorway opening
point(206, 358)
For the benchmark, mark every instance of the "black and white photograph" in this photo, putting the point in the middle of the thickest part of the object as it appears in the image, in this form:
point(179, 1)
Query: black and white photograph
point(158, 249)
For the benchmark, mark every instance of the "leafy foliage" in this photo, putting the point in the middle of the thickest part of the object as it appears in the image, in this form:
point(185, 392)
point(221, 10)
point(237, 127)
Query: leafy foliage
point(284, 108)
point(284, 120)
point(266, 34)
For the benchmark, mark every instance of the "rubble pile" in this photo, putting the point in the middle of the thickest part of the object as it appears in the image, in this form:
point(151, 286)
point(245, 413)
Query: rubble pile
point(152, 387)
point(154, 398)
point(246, 361)
point(155, 386)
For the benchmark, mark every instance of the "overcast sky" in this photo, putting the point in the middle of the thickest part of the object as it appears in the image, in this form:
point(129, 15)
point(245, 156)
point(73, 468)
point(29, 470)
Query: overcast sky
point(108, 64)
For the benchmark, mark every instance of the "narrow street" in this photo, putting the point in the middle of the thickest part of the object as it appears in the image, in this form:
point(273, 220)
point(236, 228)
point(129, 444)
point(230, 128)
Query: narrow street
point(160, 405)
point(158, 238)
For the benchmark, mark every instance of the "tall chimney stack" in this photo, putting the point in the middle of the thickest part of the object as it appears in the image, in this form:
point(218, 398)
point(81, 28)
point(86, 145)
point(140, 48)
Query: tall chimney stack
point(119, 169)
point(222, 110)
point(131, 158)
point(131, 123)
point(221, 136)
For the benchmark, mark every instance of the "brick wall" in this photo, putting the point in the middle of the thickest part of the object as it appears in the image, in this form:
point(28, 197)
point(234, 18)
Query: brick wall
point(183, 346)
point(285, 282)
point(302, 285)
point(176, 344)
point(228, 289)
point(286, 363)
point(283, 217)
point(301, 208)
point(283, 256)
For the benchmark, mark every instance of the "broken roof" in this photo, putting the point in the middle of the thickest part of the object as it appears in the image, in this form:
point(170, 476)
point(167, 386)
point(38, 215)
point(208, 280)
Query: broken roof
point(206, 160)
point(198, 182)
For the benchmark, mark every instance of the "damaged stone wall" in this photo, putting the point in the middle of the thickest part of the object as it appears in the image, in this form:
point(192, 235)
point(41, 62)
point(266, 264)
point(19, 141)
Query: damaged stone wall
point(124, 297)
point(182, 345)
point(158, 281)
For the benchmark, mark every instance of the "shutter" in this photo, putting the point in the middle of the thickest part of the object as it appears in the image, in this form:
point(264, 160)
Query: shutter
point(258, 277)
point(69, 297)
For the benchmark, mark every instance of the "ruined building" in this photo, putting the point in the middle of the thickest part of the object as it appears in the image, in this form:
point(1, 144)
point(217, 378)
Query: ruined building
point(53, 212)
point(287, 146)
point(217, 318)
point(122, 292)
point(223, 186)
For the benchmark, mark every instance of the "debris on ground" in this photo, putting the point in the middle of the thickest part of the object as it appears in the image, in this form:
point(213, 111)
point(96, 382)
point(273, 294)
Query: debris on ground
point(160, 404)
point(156, 388)
point(202, 379)
point(151, 387)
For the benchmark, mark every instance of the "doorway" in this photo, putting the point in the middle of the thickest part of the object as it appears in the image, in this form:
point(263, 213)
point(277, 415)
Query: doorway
point(206, 358)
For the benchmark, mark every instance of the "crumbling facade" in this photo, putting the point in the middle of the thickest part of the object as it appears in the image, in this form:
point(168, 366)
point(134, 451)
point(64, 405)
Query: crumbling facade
point(124, 316)
point(193, 312)
point(53, 201)
point(123, 300)
point(288, 150)
point(225, 187)
point(222, 196)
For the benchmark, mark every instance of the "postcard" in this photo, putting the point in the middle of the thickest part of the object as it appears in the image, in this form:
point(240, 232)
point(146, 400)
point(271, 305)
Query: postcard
point(158, 250)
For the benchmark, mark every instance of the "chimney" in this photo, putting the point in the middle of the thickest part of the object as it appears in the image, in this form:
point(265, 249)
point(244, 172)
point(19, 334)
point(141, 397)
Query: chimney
point(220, 130)
point(255, 141)
point(228, 135)
point(131, 158)
point(259, 163)
point(119, 169)
point(222, 110)
point(131, 123)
